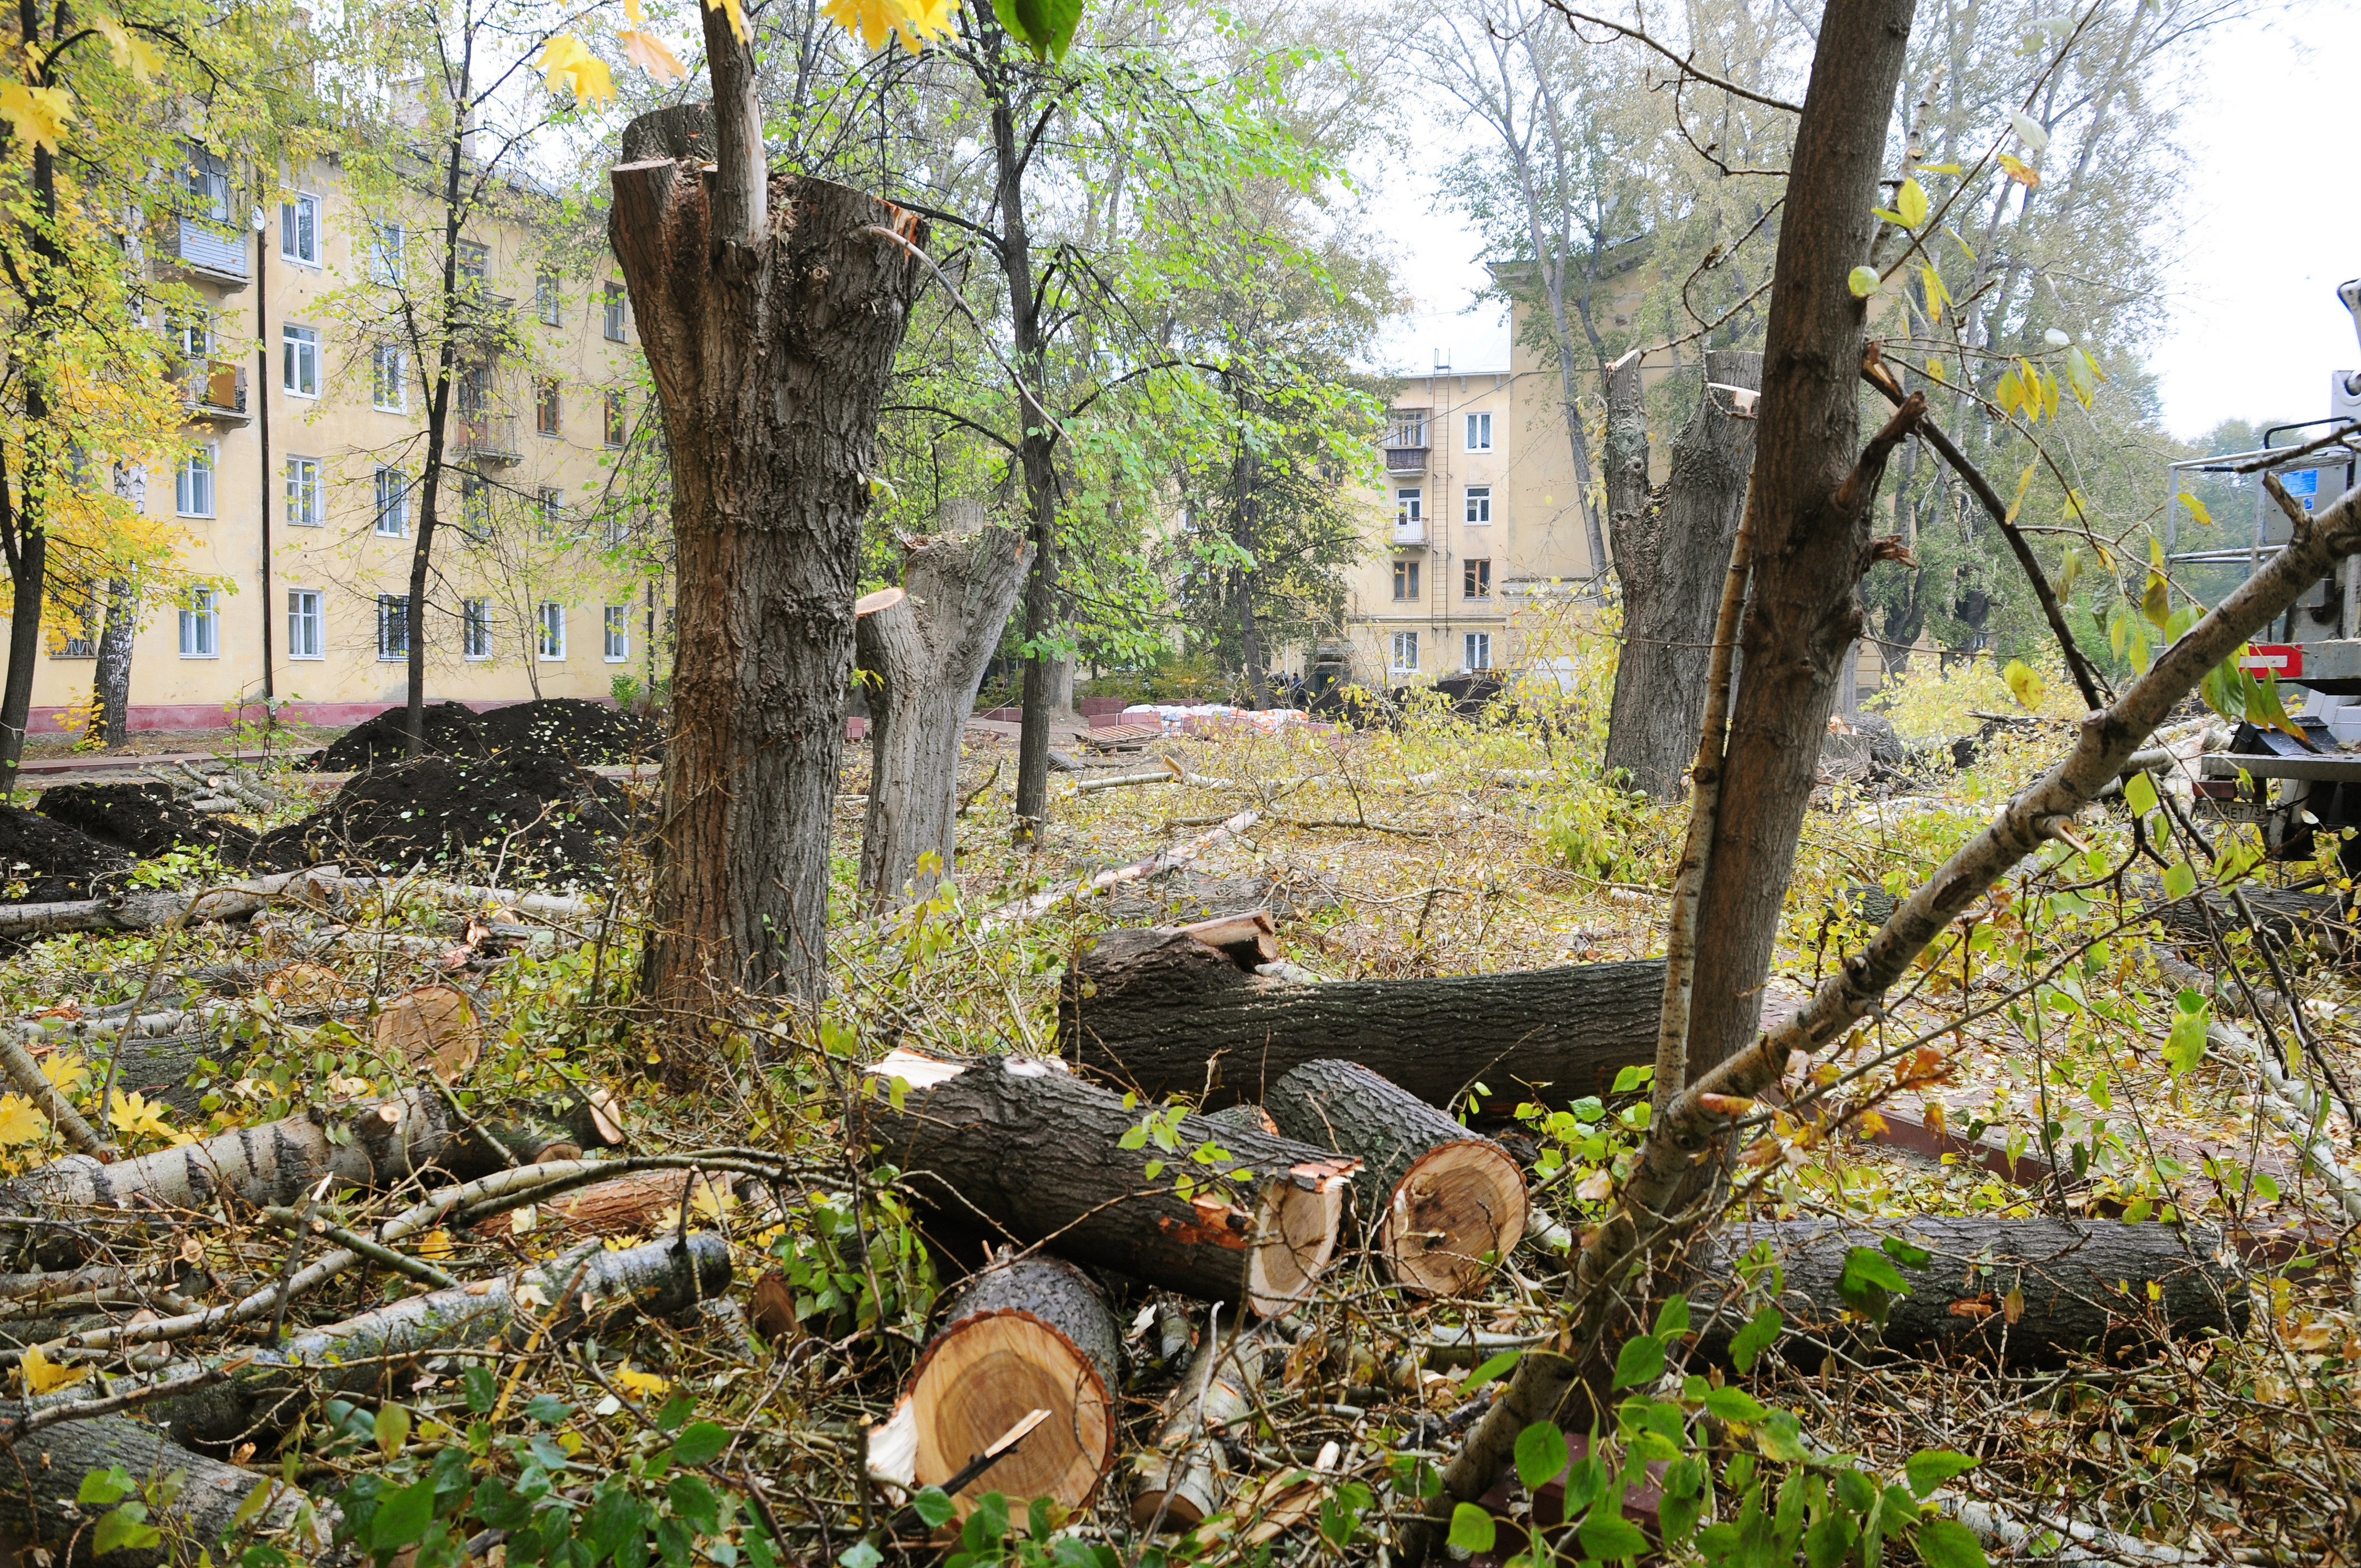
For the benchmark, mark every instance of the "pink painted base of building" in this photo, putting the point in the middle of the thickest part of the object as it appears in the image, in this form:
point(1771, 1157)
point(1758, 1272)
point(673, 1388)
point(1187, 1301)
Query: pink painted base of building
point(217, 715)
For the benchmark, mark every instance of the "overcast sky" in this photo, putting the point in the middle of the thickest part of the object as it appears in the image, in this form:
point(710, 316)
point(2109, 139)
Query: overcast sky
point(2270, 224)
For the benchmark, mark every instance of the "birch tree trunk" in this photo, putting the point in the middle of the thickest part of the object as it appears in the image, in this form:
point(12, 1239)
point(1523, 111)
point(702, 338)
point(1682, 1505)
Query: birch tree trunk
point(112, 679)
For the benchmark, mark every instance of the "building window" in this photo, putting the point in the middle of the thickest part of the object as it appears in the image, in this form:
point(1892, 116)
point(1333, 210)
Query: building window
point(194, 334)
point(1479, 432)
point(392, 498)
point(615, 422)
point(1408, 505)
point(192, 482)
point(1403, 657)
point(548, 409)
point(307, 504)
point(389, 384)
point(201, 626)
point(1479, 648)
point(76, 635)
point(298, 359)
point(545, 302)
point(616, 300)
point(1406, 580)
point(1479, 503)
point(393, 626)
point(1409, 428)
point(303, 624)
point(1476, 578)
point(298, 229)
point(553, 629)
point(476, 628)
point(205, 185)
point(388, 243)
point(618, 617)
point(553, 512)
point(474, 391)
point(475, 262)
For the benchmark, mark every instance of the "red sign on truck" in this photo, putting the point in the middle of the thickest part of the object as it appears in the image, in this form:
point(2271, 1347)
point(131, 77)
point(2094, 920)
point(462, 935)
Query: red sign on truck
point(2284, 660)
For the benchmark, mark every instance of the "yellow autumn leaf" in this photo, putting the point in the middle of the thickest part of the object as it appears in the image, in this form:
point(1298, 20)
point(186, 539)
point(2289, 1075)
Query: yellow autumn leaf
point(65, 1070)
point(1911, 203)
point(2025, 684)
point(644, 1385)
point(737, 16)
point(569, 66)
point(43, 1376)
point(435, 1245)
point(914, 21)
point(130, 1115)
point(2197, 512)
point(1937, 295)
point(36, 115)
point(128, 47)
point(2024, 173)
point(20, 1123)
point(648, 53)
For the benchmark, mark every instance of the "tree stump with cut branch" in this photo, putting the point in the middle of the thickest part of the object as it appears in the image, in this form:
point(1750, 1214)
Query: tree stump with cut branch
point(1164, 1013)
point(1028, 1149)
point(1442, 1205)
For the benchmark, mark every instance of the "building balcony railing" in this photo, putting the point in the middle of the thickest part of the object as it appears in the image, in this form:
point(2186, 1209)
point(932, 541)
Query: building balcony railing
point(221, 259)
point(1410, 531)
point(1405, 459)
point(214, 390)
point(488, 438)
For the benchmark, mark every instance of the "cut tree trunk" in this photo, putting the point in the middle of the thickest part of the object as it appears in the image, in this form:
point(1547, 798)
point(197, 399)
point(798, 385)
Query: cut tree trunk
point(1035, 1152)
point(2081, 1286)
point(1163, 1014)
point(922, 656)
point(1031, 1335)
point(1183, 1476)
point(1444, 1205)
point(770, 308)
point(1672, 557)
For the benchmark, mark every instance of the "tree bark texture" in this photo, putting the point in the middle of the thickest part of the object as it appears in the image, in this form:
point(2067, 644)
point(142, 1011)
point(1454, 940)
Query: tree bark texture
point(111, 678)
point(1184, 1476)
point(1029, 1334)
point(1810, 507)
point(926, 654)
point(1441, 1205)
point(1162, 1012)
point(770, 335)
point(2080, 1286)
point(1035, 1154)
point(1672, 557)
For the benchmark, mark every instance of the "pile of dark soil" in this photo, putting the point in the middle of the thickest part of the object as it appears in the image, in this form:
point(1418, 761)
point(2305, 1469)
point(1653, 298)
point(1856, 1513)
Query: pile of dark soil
point(45, 861)
point(147, 820)
point(571, 729)
point(453, 730)
point(531, 820)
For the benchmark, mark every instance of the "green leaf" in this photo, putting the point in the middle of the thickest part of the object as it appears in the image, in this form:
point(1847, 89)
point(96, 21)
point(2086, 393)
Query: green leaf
point(1781, 1437)
point(392, 1429)
point(126, 1527)
point(2180, 880)
point(860, 1554)
point(1756, 1337)
point(104, 1488)
point(1541, 1454)
point(1472, 1530)
point(402, 1517)
point(1870, 1282)
point(483, 1389)
point(675, 1410)
point(1044, 27)
point(1133, 1137)
point(251, 1510)
point(547, 1409)
point(1948, 1543)
point(934, 1506)
point(1862, 281)
point(700, 1442)
point(1641, 1360)
point(1930, 1467)
point(1491, 1369)
point(1609, 1536)
point(1905, 1255)
point(2139, 794)
point(1831, 1540)
point(1673, 1318)
point(1733, 1405)
point(2185, 1046)
point(1911, 203)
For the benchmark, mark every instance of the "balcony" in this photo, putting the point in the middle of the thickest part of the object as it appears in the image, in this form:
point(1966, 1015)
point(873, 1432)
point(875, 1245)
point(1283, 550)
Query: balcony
point(1410, 531)
point(1406, 459)
point(218, 258)
point(214, 391)
point(489, 439)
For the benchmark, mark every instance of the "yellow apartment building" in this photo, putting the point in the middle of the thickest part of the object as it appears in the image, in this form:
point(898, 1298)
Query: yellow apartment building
point(306, 441)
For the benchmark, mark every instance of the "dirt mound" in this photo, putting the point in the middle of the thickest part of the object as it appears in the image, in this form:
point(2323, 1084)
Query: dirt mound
point(45, 861)
point(571, 729)
point(538, 821)
point(452, 731)
point(147, 820)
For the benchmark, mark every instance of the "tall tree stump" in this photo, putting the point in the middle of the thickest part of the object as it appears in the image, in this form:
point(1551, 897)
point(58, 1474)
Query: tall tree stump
point(1035, 1152)
point(921, 656)
point(1032, 1335)
point(770, 308)
point(1444, 1205)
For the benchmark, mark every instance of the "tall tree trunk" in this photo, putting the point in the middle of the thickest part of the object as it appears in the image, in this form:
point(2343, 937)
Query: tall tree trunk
point(438, 412)
point(1249, 634)
point(112, 681)
point(772, 309)
point(1671, 553)
point(1811, 511)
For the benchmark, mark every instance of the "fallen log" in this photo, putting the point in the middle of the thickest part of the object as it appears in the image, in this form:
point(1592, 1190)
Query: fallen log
point(624, 1206)
point(142, 911)
point(2020, 1291)
point(1023, 1335)
point(1164, 1013)
point(1183, 1476)
point(1439, 1205)
point(1039, 1155)
point(1018, 911)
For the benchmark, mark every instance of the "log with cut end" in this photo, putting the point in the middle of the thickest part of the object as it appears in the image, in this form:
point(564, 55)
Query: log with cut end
point(1027, 1334)
point(1153, 1009)
point(1438, 1203)
point(1183, 1476)
point(2071, 1285)
point(1037, 1155)
point(625, 1206)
